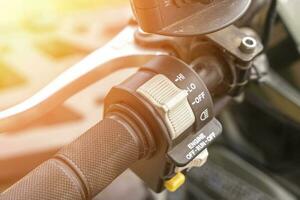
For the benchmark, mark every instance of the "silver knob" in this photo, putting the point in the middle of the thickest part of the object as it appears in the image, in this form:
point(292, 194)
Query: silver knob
point(171, 103)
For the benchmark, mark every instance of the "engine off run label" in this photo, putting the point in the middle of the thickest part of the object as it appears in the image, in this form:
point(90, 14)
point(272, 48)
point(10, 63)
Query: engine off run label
point(199, 144)
point(194, 144)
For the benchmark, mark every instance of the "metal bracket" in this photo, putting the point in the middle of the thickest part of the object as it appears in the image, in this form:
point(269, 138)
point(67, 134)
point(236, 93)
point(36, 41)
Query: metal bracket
point(230, 39)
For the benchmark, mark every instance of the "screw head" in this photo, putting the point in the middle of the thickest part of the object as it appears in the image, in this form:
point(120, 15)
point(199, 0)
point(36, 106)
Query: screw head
point(248, 44)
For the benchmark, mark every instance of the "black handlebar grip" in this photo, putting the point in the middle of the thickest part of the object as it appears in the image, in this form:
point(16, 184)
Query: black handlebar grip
point(83, 168)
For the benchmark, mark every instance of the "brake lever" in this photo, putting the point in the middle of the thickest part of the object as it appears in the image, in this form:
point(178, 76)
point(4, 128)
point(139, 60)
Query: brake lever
point(120, 53)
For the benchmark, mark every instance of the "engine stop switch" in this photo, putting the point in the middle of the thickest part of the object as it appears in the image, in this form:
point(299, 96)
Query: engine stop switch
point(199, 161)
point(192, 146)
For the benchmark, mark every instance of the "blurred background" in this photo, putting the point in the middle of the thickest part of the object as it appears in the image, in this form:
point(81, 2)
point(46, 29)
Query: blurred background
point(38, 41)
point(48, 36)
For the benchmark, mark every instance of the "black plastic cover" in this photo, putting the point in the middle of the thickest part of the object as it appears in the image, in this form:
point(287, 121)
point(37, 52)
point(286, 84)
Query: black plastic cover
point(187, 17)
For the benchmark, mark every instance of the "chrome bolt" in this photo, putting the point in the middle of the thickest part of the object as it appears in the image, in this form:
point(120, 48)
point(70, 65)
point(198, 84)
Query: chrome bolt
point(248, 44)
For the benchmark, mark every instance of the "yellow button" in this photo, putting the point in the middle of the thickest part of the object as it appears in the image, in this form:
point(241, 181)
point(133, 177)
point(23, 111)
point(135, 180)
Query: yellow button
point(174, 183)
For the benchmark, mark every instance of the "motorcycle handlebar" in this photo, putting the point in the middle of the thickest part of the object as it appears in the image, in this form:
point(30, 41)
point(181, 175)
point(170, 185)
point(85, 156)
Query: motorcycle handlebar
point(76, 172)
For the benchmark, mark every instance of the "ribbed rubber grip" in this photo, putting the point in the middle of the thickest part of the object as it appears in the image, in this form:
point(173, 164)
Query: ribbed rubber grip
point(82, 169)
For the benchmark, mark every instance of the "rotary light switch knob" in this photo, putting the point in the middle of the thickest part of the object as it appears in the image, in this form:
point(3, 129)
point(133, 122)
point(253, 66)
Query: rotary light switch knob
point(171, 103)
